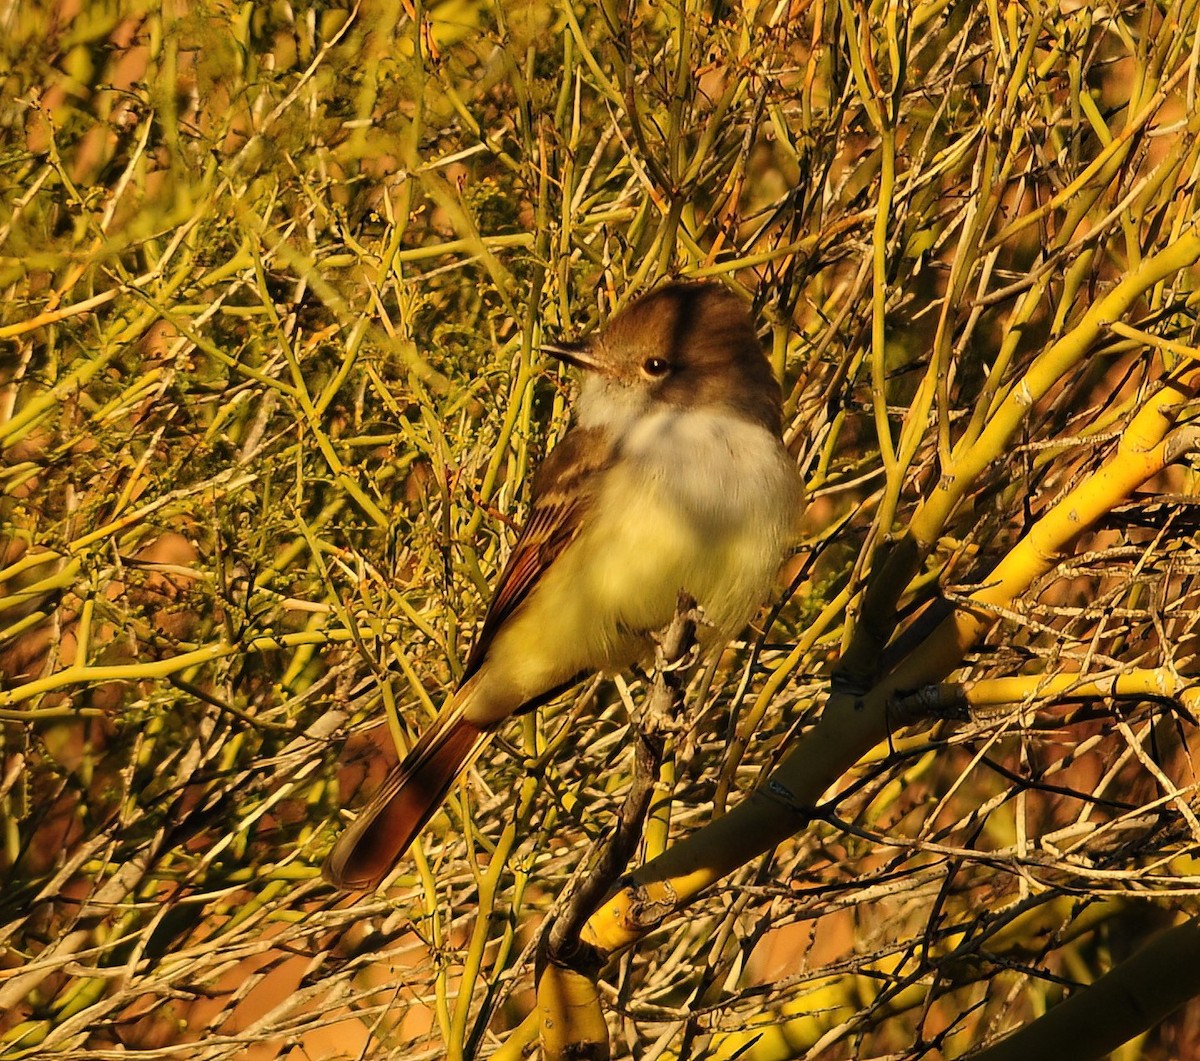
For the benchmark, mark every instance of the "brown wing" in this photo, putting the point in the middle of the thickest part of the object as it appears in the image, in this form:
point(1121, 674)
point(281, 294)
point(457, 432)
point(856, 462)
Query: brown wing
point(564, 489)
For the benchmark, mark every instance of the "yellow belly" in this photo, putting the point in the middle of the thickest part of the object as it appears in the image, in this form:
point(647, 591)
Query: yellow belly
point(709, 530)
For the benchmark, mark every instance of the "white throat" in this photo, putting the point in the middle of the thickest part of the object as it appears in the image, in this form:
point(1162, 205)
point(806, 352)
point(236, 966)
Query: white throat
point(608, 405)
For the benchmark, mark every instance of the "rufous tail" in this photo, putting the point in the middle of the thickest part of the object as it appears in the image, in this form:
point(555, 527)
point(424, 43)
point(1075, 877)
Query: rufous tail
point(409, 796)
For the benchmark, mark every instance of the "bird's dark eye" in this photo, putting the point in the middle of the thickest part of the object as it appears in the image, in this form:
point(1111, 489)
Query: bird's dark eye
point(656, 366)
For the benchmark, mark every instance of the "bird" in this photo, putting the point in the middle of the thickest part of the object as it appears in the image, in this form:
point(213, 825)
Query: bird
point(671, 479)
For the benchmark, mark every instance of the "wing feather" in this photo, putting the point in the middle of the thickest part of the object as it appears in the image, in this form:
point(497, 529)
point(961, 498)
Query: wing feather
point(564, 489)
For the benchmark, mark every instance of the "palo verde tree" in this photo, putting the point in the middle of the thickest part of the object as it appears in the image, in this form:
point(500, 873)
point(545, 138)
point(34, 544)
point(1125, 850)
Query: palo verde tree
point(276, 276)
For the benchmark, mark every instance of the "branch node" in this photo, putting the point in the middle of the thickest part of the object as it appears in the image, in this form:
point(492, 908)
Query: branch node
point(945, 701)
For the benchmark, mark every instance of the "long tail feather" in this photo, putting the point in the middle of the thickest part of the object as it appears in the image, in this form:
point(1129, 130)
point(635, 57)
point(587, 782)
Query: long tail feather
point(409, 796)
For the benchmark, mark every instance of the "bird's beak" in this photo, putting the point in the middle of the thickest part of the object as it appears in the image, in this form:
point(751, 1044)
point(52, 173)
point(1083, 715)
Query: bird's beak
point(578, 354)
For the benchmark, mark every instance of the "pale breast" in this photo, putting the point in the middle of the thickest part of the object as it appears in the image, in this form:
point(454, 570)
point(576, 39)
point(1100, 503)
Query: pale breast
point(698, 501)
point(701, 501)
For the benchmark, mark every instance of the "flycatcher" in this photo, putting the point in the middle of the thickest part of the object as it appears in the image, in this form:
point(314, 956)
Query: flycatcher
point(672, 478)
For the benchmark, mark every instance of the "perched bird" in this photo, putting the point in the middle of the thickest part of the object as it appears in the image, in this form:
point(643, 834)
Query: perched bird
point(672, 478)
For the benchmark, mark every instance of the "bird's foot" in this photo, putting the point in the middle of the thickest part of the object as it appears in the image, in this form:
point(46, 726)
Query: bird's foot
point(676, 651)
